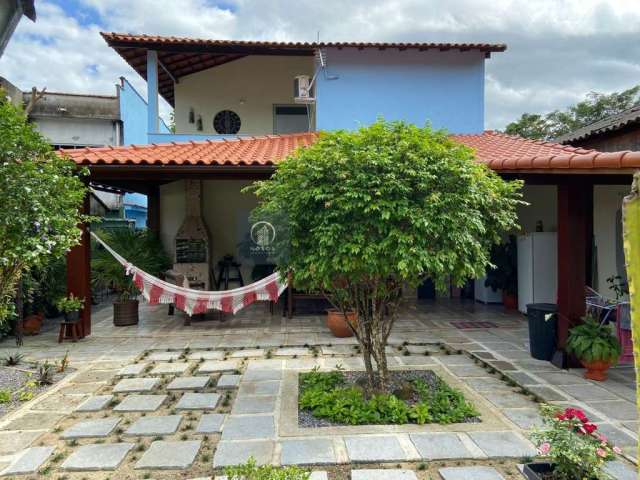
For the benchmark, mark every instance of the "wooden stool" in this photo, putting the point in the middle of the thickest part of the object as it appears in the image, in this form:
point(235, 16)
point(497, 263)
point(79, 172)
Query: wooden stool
point(74, 327)
point(225, 265)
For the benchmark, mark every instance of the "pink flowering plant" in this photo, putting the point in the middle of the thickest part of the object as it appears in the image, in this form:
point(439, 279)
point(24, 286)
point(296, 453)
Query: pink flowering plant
point(573, 445)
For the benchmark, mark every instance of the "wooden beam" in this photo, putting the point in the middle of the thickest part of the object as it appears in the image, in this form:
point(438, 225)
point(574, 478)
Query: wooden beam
point(79, 273)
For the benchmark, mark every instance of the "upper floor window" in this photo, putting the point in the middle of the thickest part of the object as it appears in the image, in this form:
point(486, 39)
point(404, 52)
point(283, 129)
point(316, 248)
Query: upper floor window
point(226, 122)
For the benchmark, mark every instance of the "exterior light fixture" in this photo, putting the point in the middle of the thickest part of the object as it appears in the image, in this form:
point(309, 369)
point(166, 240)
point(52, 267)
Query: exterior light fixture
point(192, 116)
point(199, 123)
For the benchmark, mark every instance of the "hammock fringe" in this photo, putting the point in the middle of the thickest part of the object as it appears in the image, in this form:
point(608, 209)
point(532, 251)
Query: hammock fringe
point(156, 291)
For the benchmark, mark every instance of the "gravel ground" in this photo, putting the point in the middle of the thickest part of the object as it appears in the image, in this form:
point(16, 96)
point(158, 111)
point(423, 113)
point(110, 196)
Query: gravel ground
point(397, 379)
point(13, 379)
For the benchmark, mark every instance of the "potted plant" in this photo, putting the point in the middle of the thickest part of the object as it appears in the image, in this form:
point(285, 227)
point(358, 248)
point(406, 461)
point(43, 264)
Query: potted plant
point(143, 249)
point(504, 275)
point(338, 322)
point(33, 306)
point(595, 346)
point(572, 446)
point(70, 307)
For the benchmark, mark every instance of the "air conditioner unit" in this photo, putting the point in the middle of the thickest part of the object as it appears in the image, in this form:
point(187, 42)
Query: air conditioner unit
point(302, 89)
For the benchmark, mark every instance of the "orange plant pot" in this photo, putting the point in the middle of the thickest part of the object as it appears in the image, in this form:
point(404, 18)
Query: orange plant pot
point(596, 370)
point(510, 301)
point(32, 324)
point(337, 322)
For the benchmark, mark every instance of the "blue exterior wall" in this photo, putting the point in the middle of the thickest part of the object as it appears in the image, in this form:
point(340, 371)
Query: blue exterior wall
point(445, 88)
point(133, 113)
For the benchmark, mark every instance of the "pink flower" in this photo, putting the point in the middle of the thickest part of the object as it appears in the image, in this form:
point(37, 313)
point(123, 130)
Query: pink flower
point(601, 452)
point(618, 450)
point(544, 448)
point(602, 437)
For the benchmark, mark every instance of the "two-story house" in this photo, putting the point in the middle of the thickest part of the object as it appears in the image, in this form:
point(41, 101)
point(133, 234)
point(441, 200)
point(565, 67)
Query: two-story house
point(242, 106)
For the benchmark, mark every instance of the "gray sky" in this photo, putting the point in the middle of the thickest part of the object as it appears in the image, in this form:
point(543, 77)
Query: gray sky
point(557, 50)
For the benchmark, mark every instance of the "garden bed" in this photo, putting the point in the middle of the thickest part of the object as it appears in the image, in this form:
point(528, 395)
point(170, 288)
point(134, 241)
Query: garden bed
point(21, 383)
point(327, 399)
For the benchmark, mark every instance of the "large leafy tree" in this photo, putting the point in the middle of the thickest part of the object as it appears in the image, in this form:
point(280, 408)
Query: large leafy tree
point(40, 197)
point(559, 122)
point(362, 215)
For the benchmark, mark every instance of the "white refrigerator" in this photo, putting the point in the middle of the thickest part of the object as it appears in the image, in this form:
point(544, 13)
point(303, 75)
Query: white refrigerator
point(486, 294)
point(537, 269)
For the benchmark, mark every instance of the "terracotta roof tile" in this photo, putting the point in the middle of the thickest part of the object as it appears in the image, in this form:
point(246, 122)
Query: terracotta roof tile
point(500, 152)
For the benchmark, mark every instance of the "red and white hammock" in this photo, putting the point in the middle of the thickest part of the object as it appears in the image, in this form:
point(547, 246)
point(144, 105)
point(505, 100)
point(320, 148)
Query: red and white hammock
point(192, 301)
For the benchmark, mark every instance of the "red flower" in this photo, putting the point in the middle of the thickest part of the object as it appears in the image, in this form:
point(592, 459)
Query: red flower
point(571, 413)
point(590, 428)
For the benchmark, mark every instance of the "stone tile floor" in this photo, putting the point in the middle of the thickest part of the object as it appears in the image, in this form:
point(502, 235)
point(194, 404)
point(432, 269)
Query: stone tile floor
point(248, 410)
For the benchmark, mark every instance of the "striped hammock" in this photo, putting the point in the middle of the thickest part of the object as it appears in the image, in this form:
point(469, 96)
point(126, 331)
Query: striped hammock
point(192, 302)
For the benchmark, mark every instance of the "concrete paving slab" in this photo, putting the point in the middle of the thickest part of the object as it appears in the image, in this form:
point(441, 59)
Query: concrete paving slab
point(318, 451)
point(15, 441)
point(620, 470)
point(228, 381)
point(249, 405)
point(206, 355)
point(170, 368)
point(562, 378)
point(375, 449)
point(417, 360)
point(262, 375)
point(235, 453)
point(211, 423)
point(247, 353)
point(513, 400)
point(240, 427)
point(35, 421)
point(139, 384)
point(487, 384)
point(215, 366)
point(525, 418)
point(95, 403)
point(259, 388)
point(503, 444)
point(91, 428)
point(547, 393)
point(437, 446)
point(468, 371)
point(105, 456)
point(291, 351)
point(29, 461)
point(450, 360)
point(169, 455)
point(383, 474)
point(133, 369)
point(618, 410)
point(188, 383)
point(163, 356)
point(154, 425)
point(466, 473)
point(140, 403)
point(198, 401)
point(617, 436)
point(523, 379)
point(589, 393)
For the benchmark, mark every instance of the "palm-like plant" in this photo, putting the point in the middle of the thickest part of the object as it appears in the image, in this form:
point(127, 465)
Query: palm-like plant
point(142, 248)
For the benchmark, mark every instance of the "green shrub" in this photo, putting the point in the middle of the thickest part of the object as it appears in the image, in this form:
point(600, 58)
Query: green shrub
point(5, 395)
point(326, 395)
point(250, 471)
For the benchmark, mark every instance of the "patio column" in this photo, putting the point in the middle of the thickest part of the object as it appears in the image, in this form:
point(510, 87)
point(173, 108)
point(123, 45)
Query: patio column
point(153, 209)
point(79, 273)
point(575, 233)
point(152, 91)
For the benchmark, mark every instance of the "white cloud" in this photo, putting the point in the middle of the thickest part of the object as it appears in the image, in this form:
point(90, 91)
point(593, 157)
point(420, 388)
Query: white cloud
point(558, 50)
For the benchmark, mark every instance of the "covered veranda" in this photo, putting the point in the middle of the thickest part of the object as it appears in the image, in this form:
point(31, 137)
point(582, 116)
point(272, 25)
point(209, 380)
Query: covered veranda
point(226, 166)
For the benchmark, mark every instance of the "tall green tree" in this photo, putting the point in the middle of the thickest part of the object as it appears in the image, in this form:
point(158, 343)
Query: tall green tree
point(595, 107)
point(361, 215)
point(40, 197)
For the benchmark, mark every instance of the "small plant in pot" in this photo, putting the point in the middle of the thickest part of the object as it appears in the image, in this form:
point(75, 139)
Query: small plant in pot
point(70, 307)
point(141, 248)
point(595, 346)
point(504, 275)
point(572, 446)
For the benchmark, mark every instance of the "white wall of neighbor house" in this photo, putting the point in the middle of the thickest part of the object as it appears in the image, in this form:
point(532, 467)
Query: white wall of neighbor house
point(250, 86)
point(225, 210)
point(607, 201)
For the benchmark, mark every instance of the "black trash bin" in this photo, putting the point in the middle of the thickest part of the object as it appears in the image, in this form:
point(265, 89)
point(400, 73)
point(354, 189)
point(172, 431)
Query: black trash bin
point(542, 333)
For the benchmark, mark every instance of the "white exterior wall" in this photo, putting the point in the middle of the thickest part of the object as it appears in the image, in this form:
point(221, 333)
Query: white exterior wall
point(250, 86)
point(225, 210)
point(72, 131)
point(607, 200)
point(543, 205)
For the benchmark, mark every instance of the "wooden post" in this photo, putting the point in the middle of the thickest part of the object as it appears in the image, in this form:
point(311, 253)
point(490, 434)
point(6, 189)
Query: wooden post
point(79, 273)
point(575, 233)
point(153, 209)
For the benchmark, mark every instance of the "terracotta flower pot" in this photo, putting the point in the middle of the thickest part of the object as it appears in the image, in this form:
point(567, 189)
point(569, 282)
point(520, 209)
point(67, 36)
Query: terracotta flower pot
point(510, 301)
point(596, 370)
point(32, 323)
point(337, 322)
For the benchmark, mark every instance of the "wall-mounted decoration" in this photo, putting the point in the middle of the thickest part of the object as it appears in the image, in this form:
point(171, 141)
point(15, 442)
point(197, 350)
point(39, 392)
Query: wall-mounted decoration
point(199, 123)
point(226, 122)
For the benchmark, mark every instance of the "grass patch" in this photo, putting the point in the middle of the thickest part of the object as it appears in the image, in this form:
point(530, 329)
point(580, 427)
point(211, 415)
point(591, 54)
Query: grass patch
point(339, 398)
